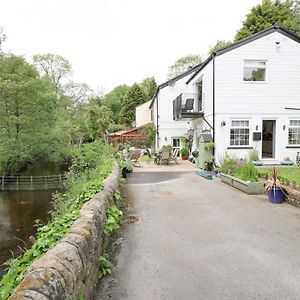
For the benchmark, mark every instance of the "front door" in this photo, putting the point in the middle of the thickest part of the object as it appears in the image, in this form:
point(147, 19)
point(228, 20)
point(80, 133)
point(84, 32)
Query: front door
point(268, 139)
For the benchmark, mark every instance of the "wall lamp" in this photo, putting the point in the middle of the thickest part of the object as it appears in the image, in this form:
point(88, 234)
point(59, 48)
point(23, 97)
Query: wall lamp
point(223, 123)
point(283, 127)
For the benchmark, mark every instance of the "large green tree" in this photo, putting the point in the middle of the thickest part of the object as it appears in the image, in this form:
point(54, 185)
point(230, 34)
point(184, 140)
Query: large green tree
point(149, 86)
point(134, 97)
point(183, 64)
point(266, 14)
point(27, 107)
point(114, 101)
point(218, 45)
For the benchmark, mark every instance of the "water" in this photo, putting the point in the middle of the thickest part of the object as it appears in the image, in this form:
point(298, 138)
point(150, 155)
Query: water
point(20, 209)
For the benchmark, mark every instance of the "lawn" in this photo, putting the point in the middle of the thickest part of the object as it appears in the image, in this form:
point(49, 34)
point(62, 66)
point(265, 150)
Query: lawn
point(292, 174)
point(145, 158)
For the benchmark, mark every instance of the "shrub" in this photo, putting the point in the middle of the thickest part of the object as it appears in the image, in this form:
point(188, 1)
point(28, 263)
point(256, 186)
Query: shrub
point(184, 151)
point(253, 155)
point(229, 164)
point(247, 172)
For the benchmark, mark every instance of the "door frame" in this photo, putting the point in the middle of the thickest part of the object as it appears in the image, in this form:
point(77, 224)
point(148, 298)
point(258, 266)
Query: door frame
point(272, 139)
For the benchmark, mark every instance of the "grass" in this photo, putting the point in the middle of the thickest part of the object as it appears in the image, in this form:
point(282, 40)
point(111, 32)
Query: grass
point(145, 158)
point(290, 173)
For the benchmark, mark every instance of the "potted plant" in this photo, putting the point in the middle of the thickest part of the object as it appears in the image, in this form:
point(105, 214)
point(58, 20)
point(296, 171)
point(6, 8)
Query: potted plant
point(276, 193)
point(209, 164)
point(184, 153)
point(209, 145)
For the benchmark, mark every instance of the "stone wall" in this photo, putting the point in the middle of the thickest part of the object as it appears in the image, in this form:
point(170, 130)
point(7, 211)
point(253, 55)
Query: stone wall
point(70, 269)
point(293, 196)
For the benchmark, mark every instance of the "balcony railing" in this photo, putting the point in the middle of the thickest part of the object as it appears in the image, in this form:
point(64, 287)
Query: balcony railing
point(187, 105)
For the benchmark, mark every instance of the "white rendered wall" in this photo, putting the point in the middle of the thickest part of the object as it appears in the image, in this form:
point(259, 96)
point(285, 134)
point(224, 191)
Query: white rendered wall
point(143, 114)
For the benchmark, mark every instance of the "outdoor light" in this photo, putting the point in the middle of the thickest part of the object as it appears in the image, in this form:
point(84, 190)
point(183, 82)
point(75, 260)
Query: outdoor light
point(256, 128)
point(223, 123)
point(166, 138)
point(283, 127)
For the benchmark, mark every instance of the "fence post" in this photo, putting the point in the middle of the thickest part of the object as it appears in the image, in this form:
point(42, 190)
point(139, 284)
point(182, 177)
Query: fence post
point(31, 183)
point(46, 183)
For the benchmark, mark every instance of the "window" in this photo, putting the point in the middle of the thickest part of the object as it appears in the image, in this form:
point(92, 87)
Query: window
point(239, 133)
point(254, 70)
point(199, 92)
point(294, 132)
point(176, 143)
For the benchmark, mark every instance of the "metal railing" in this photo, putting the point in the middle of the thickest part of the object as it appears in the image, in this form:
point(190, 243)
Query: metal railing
point(186, 103)
point(27, 183)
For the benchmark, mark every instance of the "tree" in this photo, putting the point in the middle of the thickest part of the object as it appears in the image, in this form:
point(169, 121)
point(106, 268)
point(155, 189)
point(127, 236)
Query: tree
point(183, 64)
point(55, 67)
point(114, 101)
point(27, 108)
point(134, 97)
point(266, 14)
point(99, 120)
point(218, 45)
point(149, 86)
point(2, 37)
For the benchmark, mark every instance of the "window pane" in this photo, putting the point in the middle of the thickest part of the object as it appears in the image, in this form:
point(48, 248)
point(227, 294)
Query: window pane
point(294, 122)
point(240, 123)
point(239, 137)
point(294, 136)
point(254, 70)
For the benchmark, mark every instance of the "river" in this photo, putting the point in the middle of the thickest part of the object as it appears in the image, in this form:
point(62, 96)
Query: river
point(20, 209)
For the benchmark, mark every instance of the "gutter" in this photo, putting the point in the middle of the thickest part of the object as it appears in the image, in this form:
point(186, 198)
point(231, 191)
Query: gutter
point(157, 131)
point(214, 98)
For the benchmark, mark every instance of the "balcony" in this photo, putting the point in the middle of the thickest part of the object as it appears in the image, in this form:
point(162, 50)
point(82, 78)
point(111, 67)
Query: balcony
point(187, 106)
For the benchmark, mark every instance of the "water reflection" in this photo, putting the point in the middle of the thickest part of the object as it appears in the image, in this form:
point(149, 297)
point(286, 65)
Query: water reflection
point(20, 209)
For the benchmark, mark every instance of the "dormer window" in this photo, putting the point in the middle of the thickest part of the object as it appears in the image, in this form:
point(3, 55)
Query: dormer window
point(254, 70)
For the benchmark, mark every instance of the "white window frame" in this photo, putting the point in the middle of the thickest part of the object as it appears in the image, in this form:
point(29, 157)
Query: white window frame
point(292, 126)
point(239, 126)
point(257, 61)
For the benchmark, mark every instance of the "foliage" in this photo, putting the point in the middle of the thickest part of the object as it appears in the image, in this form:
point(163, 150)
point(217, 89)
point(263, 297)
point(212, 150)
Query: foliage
point(27, 109)
point(184, 151)
point(149, 86)
point(151, 134)
point(246, 172)
point(253, 155)
point(134, 97)
point(112, 127)
point(228, 164)
point(218, 45)
point(183, 64)
point(114, 101)
point(82, 186)
point(209, 145)
point(105, 266)
point(2, 37)
point(273, 183)
point(266, 14)
point(113, 219)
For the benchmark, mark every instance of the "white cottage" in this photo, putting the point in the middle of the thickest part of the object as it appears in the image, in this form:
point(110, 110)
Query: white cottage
point(246, 94)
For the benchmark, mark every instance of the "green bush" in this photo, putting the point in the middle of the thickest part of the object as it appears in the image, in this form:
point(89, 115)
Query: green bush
point(253, 155)
point(184, 151)
point(246, 172)
point(229, 164)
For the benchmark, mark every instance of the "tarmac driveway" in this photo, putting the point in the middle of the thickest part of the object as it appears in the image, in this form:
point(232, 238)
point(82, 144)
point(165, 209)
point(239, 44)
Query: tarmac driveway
point(199, 239)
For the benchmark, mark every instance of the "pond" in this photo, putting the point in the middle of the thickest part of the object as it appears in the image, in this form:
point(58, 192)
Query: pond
point(20, 209)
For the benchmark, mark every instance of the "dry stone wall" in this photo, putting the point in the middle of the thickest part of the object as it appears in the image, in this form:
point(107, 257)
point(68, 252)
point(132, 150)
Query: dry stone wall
point(70, 269)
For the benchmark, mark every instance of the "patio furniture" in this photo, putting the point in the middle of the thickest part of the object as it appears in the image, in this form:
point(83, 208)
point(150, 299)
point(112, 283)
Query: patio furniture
point(135, 156)
point(149, 155)
point(165, 156)
point(174, 156)
point(157, 157)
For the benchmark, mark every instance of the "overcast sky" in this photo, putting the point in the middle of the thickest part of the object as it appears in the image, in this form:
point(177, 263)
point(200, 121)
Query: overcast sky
point(110, 42)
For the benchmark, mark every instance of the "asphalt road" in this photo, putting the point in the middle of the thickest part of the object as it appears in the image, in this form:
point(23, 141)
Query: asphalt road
point(196, 239)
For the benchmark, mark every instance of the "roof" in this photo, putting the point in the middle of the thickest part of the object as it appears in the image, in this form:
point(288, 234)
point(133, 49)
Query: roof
point(173, 80)
point(122, 132)
point(256, 36)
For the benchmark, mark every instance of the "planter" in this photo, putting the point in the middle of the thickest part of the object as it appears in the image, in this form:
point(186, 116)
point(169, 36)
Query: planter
point(184, 157)
point(287, 162)
point(209, 166)
point(276, 195)
point(124, 172)
point(252, 188)
point(257, 162)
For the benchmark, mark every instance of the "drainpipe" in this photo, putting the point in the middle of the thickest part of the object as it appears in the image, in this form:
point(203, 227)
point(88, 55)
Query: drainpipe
point(157, 132)
point(214, 112)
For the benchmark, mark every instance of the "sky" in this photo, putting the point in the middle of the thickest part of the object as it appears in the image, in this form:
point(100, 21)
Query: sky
point(113, 42)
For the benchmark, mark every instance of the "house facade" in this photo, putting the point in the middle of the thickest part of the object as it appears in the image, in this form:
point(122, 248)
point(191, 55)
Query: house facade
point(247, 95)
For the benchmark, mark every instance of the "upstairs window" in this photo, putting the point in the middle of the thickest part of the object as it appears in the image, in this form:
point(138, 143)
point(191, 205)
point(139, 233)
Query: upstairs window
point(239, 133)
point(294, 132)
point(254, 70)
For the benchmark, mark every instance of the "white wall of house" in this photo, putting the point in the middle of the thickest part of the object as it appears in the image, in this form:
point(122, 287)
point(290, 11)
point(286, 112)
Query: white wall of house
point(236, 99)
point(168, 128)
point(143, 114)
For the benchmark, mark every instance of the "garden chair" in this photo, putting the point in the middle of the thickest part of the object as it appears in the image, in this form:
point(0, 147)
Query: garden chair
point(189, 105)
point(149, 155)
point(174, 156)
point(135, 156)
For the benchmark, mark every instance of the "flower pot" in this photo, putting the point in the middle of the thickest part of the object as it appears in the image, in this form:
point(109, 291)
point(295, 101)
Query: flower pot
point(276, 195)
point(184, 157)
point(124, 172)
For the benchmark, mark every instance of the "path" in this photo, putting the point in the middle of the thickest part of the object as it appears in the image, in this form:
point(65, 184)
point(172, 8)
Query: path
point(198, 239)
